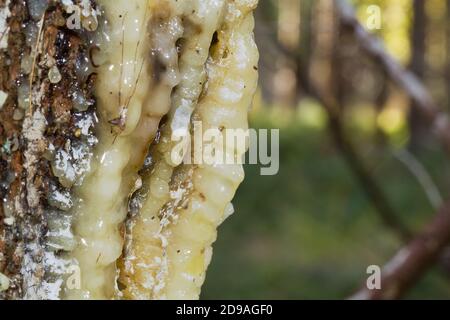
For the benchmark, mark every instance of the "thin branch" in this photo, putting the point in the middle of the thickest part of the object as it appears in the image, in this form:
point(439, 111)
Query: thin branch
point(423, 251)
point(405, 79)
point(370, 186)
point(422, 176)
point(411, 262)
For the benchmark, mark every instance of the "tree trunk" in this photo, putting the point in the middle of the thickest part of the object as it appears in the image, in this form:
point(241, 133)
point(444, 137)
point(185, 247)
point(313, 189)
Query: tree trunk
point(418, 128)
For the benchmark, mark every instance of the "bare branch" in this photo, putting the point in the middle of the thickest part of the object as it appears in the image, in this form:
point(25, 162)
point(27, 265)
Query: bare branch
point(370, 186)
point(422, 176)
point(411, 262)
point(422, 252)
point(357, 166)
point(405, 79)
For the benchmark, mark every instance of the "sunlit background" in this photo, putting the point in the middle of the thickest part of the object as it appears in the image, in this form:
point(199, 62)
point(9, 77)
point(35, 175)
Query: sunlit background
point(311, 231)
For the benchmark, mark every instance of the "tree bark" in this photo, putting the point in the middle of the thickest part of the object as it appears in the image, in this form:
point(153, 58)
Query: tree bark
point(38, 73)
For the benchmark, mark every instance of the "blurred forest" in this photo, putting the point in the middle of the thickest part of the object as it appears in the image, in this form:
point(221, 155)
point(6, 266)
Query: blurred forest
point(364, 142)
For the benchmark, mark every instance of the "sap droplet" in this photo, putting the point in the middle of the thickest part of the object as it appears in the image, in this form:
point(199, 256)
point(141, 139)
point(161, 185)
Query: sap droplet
point(54, 75)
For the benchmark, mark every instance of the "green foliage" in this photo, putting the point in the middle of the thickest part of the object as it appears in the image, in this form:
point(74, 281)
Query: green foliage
point(310, 232)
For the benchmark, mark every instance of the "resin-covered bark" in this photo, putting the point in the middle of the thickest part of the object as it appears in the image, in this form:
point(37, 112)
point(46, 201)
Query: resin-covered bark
point(46, 137)
point(93, 93)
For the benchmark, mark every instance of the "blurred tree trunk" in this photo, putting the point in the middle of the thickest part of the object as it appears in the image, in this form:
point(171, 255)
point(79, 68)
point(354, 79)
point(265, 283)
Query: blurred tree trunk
point(305, 44)
point(448, 53)
point(418, 128)
point(288, 29)
point(266, 17)
point(321, 58)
